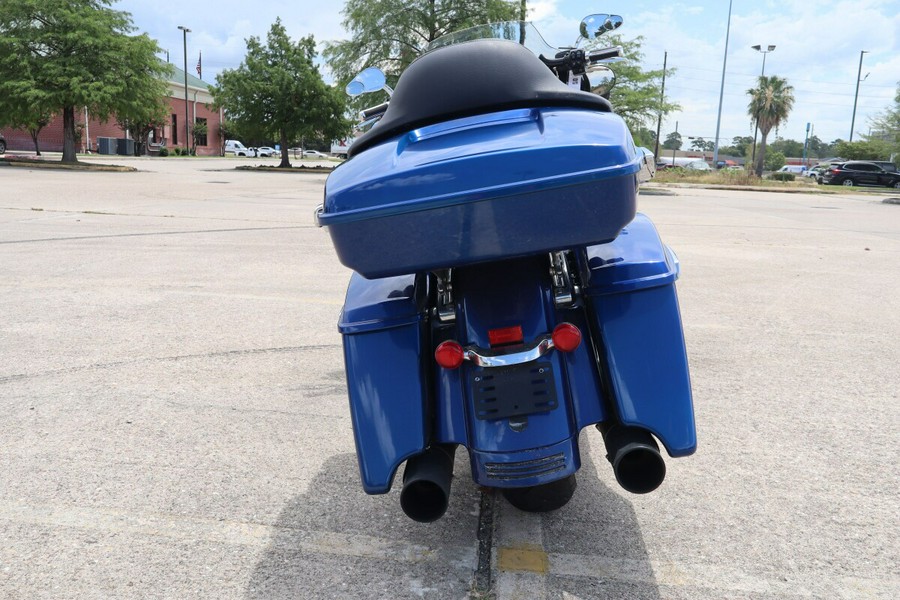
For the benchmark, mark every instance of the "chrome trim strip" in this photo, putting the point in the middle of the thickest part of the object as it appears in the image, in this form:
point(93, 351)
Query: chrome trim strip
point(498, 358)
point(320, 209)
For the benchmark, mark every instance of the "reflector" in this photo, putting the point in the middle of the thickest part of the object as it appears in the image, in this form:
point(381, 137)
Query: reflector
point(566, 337)
point(449, 354)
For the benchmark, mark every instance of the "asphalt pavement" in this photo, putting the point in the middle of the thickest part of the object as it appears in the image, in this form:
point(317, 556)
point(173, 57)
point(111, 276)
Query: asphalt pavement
point(174, 424)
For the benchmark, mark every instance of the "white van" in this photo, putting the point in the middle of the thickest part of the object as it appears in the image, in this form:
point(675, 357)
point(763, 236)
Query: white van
point(796, 169)
point(236, 148)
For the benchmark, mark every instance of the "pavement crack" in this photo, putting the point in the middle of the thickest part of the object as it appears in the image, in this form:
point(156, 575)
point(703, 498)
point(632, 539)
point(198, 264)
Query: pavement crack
point(152, 359)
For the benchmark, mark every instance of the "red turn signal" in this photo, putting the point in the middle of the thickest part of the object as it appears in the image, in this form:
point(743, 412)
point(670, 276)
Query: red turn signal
point(566, 337)
point(449, 354)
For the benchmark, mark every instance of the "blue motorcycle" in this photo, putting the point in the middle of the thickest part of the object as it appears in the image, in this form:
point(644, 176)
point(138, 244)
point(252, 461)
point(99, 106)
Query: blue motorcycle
point(505, 294)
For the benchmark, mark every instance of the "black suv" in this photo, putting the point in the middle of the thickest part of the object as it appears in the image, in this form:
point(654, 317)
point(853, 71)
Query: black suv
point(861, 173)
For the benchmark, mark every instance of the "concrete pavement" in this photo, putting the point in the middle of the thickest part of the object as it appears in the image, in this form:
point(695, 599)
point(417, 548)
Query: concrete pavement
point(173, 419)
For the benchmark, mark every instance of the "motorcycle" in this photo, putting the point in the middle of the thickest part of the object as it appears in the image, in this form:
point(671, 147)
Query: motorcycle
point(506, 294)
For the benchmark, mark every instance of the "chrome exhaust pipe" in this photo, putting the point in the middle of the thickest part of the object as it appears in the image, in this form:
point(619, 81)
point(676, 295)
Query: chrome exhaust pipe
point(426, 483)
point(635, 457)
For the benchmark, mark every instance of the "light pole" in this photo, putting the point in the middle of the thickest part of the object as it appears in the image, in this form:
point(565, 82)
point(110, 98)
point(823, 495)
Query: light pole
point(758, 48)
point(856, 95)
point(187, 135)
point(722, 89)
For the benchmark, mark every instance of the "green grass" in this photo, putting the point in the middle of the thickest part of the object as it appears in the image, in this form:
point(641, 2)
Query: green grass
point(727, 177)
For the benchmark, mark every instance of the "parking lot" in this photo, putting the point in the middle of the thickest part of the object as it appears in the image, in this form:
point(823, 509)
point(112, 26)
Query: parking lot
point(174, 424)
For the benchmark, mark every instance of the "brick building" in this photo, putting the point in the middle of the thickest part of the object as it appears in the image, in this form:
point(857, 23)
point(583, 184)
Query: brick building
point(172, 134)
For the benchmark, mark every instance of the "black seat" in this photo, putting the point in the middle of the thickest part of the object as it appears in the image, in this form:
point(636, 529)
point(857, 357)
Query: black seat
point(472, 78)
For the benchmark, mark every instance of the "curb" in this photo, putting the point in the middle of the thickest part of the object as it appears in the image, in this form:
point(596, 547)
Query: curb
point(43, 164)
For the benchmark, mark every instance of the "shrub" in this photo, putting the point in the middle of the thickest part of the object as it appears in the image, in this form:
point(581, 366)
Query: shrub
point(163, 151)
point(782, 176)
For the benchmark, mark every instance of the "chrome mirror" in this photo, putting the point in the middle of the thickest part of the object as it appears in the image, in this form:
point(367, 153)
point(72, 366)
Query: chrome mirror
point(593, 26)
point(369, 80)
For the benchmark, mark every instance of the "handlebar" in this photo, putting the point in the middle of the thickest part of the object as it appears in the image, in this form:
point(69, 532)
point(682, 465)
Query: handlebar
point(576, 60)
point(373, 111)
point(605, 54)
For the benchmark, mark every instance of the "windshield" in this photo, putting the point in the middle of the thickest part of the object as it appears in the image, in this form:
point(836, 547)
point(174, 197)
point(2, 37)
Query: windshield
point(522, 32)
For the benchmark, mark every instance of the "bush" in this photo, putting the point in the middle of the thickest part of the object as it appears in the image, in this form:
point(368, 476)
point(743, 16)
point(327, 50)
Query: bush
point(782, 176)
point(163, 151)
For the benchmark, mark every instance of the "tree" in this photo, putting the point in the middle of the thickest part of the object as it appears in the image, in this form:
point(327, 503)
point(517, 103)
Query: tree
point(787, 147)
point(770, 103)
point(390, 34)
point(141, 118)
point(702, 145)
point(68, 54)
point(864, 150)
point(644, 136)
point(673, 141)
point(886, 126)
point(774, 160)
point(635, 96)
point(277, 92)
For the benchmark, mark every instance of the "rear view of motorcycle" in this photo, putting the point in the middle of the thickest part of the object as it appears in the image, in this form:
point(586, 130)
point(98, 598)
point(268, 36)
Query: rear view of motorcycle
point(506, 294)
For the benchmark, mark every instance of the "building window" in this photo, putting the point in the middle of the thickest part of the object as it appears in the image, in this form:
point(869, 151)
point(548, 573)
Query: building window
point(174, 129)
point(201, 137)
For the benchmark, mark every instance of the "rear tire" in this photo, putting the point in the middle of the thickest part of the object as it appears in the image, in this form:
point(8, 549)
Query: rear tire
point(848, 182)
point(542, 498)
point(2, 147)
point(896, 184)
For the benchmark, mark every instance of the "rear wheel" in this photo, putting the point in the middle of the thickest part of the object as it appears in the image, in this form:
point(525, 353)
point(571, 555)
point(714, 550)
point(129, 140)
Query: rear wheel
point(896, 184)
point(2, 147)
point(848, 182)
point(542, 498)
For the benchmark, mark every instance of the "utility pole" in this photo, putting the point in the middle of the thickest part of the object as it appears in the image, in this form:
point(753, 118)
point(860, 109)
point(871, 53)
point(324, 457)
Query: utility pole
point(662, 98)
point(722, 89)
point(856, 95)
point(187, 134)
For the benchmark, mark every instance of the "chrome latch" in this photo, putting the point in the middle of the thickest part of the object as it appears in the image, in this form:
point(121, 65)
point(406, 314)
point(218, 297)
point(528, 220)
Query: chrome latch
point(565, 290)
point(446, 307)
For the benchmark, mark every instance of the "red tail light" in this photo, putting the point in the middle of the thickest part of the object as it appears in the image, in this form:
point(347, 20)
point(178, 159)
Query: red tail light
point(566, 337)
point(449, 354)
point(505, 335)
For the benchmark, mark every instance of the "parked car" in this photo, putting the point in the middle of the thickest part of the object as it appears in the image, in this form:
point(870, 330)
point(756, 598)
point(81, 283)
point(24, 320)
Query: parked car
point(853, 173)
point(237, 148)
point(795, 169)
point(264, 151)
point(692, 163)
point(314, 154)
point(2, 145)
point(886, 165)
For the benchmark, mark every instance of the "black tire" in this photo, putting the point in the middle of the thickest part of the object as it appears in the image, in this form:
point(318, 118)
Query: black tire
point(542, 498)
point(896, 184)
point(848, 182)
point(2, 147)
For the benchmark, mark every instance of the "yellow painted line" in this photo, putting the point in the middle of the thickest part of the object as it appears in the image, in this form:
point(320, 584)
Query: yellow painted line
point(528, 558)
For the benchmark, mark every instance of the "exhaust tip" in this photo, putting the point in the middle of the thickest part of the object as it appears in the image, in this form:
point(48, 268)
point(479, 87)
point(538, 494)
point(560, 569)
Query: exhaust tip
point(426, 484)
point(423, 501)
point(639, 468)
point(635, 458)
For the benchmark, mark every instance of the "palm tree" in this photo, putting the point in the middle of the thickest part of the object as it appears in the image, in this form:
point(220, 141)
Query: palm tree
point(770, 103)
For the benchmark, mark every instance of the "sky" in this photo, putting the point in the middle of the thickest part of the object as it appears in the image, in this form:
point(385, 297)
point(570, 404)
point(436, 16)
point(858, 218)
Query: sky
point(817, 49)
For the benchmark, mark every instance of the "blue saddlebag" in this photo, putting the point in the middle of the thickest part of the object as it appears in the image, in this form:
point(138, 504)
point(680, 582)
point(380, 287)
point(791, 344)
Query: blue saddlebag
point(384, 332)
point(631, 291)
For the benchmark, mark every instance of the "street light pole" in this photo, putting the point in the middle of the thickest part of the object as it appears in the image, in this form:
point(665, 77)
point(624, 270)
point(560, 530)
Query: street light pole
point(758, 48)
point(856, 95)
point(187, 135)
point(722, 89)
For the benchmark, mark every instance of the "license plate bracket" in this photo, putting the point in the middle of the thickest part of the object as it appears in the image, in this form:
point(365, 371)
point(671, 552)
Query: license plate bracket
point(513, 391)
